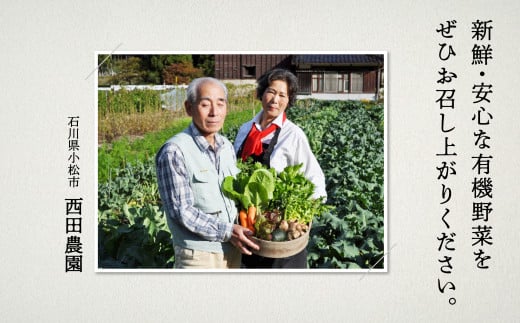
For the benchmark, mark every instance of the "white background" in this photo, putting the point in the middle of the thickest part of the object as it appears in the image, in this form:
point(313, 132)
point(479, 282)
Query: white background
point(47, 55)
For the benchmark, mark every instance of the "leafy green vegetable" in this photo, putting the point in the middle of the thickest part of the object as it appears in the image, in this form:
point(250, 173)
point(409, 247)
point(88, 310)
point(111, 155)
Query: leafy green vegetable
point(252, 186)
point(293, 194)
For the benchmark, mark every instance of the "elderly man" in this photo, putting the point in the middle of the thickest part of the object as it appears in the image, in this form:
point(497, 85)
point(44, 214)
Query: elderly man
point(190, 169)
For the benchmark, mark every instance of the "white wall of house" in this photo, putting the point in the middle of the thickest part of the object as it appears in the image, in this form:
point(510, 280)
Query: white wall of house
point(339, 96)
point(240, 82)
point(141, 87)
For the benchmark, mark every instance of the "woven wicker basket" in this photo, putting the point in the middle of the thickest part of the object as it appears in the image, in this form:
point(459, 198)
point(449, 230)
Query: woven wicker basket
point(281, 249)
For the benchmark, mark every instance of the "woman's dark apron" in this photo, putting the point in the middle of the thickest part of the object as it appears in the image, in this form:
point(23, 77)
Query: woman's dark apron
point(298, 260)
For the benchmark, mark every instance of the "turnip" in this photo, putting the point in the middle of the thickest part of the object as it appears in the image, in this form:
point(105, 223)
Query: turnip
point(279, 235)
point(284, 225)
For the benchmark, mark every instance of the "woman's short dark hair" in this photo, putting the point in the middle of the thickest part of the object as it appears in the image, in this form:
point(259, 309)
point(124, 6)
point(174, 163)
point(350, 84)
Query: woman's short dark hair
point(278, 74)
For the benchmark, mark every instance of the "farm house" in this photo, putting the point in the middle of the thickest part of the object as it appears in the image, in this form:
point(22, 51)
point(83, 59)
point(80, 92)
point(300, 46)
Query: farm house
point(320, 76)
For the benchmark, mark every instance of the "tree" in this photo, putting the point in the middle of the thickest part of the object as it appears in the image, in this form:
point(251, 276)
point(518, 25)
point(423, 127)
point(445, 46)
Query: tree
point(155, 65)
point(153, 69)
point(181, 73)
point(206, 63)
point(105, 64)
point(128, 71)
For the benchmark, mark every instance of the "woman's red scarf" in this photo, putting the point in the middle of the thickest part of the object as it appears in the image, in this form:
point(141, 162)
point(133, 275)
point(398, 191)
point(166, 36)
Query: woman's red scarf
point(253, 144)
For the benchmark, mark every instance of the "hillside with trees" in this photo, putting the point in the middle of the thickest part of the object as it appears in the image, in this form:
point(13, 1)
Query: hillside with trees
point(152, 69)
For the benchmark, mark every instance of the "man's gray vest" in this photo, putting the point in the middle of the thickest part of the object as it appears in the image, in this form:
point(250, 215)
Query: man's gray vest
point(206, 185)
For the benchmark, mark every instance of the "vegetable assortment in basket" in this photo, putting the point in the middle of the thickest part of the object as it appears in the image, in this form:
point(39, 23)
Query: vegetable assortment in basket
point(275, 207)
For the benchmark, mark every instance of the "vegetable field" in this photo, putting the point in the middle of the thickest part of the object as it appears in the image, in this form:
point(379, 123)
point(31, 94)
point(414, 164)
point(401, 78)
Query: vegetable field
point(348, 141)
point(347, 137)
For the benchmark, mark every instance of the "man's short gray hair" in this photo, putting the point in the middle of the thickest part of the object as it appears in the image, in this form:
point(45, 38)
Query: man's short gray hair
point(193, 88)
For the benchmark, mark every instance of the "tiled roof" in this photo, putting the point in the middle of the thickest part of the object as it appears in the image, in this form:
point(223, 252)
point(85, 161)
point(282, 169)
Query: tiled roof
point(354, 59)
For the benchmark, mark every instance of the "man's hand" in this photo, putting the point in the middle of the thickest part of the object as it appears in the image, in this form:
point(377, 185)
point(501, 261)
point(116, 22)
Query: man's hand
point(240, 239)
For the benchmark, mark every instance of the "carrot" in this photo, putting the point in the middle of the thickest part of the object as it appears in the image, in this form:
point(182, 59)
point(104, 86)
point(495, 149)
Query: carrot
point(243, 218)
point(251, 218)
point(251, 215)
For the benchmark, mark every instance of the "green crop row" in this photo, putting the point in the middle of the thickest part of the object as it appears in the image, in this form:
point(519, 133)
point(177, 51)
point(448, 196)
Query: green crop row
point(128, 101)
point(122, 152)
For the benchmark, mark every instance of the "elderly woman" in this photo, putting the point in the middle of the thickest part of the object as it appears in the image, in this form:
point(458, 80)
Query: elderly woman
point(276, 142)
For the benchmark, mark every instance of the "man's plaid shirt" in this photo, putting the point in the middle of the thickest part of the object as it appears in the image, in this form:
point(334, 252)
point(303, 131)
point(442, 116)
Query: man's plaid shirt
point(177, 195)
